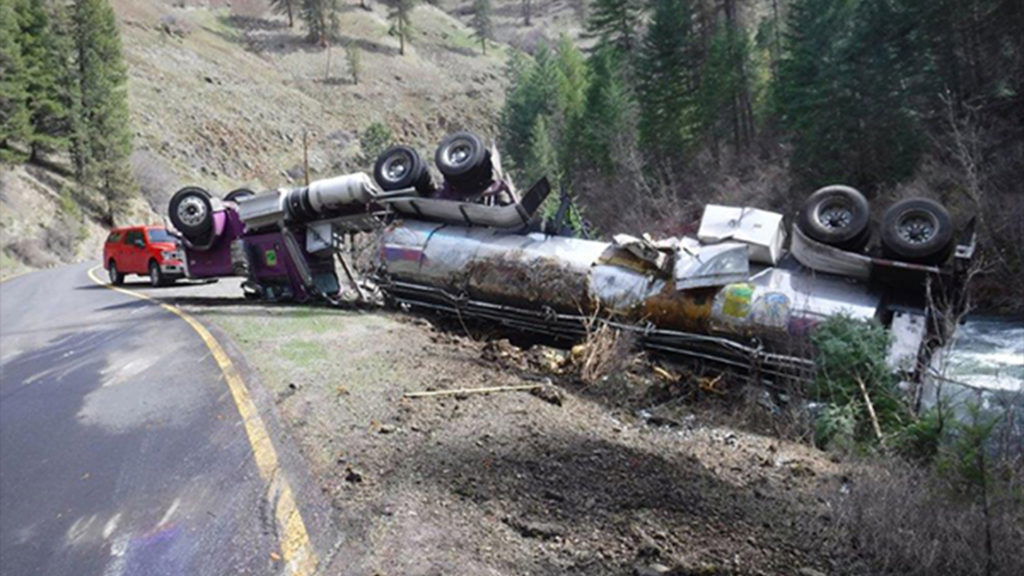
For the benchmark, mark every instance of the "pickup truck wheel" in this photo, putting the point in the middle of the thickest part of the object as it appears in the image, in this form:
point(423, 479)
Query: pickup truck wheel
point(917, 230)
point(115, 275)
point(401, 167)
point(463, 159)
point(156, 277)
point(837, 216)
point(191, 211)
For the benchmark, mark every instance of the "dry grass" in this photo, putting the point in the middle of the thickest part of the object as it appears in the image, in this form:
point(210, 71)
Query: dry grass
point(605, 351)
point(899, 519)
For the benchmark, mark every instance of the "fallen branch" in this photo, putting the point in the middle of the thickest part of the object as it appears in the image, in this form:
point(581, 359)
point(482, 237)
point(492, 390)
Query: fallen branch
point(709, 385)
point(458, 391)
point(871, 410)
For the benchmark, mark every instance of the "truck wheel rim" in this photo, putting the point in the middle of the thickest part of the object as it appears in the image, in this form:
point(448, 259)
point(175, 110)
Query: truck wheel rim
point(459, 152)
point(916, 227)
point(396, 167)
point(835, 215)
point(192, 211)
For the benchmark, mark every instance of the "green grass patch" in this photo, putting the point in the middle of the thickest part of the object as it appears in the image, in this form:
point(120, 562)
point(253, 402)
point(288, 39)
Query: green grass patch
point(303, 353)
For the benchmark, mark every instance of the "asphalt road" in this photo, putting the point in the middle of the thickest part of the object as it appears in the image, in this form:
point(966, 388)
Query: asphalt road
point(121, 449)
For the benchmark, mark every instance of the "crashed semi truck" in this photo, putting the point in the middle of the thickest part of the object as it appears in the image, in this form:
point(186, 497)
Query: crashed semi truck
point(746, 292)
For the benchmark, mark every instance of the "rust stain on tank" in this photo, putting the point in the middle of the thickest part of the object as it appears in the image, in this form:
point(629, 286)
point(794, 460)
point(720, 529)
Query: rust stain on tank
point(680, 310)
point(515, 279)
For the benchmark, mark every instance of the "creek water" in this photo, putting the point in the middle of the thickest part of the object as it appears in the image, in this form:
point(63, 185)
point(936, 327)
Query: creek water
point(988, 352)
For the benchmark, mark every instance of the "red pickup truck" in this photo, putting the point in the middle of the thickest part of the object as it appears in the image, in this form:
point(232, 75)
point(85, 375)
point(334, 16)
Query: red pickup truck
point(142, 250)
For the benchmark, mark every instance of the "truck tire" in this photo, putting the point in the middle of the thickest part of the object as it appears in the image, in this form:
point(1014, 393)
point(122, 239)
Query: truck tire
point(115, 275)
point(236, 195)
point(402, 167)
point(917, 230)
point(464, 160)
point(191, 211)
point(156, 277)
point(838, 216)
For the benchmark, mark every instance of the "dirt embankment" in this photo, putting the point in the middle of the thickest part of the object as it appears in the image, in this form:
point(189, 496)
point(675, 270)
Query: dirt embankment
point(47, 219)
point(621, 476)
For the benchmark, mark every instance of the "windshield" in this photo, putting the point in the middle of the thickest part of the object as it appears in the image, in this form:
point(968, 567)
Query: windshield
point(160, 235)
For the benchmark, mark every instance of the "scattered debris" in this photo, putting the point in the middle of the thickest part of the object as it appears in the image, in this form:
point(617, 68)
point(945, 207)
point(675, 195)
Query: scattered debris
point(711, 385)
point(652, 570)
point(548, 393)
point(528, 529)
point(503, 353)
point(353, 476)
point(466, 391)
point(665, 373)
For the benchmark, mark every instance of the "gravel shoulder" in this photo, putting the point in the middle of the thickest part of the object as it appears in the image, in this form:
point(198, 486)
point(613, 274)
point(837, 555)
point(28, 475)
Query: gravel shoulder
point(574, 480)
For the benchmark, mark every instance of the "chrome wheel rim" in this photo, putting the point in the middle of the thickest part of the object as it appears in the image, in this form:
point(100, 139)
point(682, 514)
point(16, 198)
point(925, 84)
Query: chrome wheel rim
point(459, 152)
point(835, 215)
point(192, 211)
point(396, 167)
point(916, 227)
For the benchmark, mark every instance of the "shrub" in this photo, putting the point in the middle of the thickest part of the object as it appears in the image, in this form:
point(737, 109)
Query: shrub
point(374, 140)
point(919, 441)
point(853, 378)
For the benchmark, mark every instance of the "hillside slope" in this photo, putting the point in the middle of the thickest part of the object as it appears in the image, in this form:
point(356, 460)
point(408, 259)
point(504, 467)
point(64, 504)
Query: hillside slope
point(221, 94)
point(221, 98)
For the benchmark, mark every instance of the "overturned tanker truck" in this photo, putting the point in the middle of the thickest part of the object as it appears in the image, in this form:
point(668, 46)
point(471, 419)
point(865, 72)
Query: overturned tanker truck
point(743, 293)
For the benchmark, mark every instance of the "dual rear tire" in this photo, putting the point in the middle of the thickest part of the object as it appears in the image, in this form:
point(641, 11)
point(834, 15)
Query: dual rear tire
point(917, 230)
point(462, 158)
point(401, 167)
point(913, 230)
point(838, 216)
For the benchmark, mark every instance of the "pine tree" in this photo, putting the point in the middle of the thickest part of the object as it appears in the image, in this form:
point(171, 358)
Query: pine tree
point(534, 91)
point(283, 7)
point(401, 15)
point(14, 115)
point(845, 89)
point(615, 22)
point(102, 141)
point(541, 158)
point(666, 94)
point(45, 58)
point(573, 68)
point(724, 95)
point(483, 28)
point(606, 124)
point(572, 101)
point(321, 18)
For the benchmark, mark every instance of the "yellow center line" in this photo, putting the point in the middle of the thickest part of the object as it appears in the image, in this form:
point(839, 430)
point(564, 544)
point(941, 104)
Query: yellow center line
point(296, 548)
